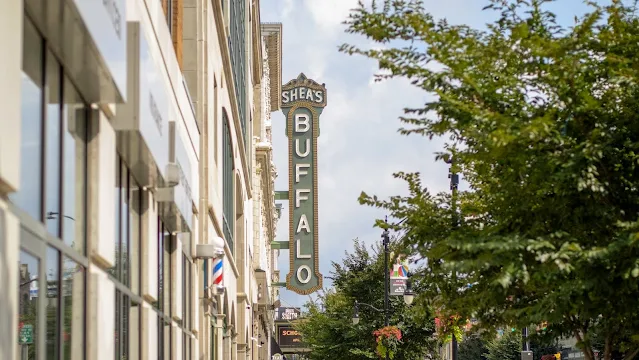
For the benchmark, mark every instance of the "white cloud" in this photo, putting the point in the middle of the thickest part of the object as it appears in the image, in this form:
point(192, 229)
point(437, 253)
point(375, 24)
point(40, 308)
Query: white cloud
point(328, 15)
point(359, 144)
point(359, 147)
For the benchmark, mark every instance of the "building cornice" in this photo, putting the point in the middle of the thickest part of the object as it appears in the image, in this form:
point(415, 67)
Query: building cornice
point(273, 34)
point(222, 37)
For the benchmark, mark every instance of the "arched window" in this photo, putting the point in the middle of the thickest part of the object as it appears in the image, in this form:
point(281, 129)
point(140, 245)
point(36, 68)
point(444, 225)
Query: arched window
point(228, 199)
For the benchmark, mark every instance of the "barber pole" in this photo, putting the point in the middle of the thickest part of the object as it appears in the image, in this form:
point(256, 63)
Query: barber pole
point(218, 275)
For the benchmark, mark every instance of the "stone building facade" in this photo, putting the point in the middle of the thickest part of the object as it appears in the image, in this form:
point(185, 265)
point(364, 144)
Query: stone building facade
point(134, 156)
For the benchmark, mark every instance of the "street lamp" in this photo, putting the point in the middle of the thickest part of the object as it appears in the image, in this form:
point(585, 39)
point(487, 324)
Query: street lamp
point(355, 314)
point(454, 184)
point(409, 296)
point(356, 310)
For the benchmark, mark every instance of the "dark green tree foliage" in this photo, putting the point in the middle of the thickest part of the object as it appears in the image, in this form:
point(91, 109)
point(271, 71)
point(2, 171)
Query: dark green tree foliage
point(472, 348)
point(541, 122)
point(327, 325)
point(540, 349)
point(506, 347)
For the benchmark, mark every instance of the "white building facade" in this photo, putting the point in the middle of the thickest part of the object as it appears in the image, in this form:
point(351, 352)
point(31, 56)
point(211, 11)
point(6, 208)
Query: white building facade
point(134, 139)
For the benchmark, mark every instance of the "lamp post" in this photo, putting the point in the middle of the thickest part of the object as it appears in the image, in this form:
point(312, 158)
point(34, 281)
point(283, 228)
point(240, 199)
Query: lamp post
point(526, 354)
point(386, 242)
point(454, 184)
point(409, 296)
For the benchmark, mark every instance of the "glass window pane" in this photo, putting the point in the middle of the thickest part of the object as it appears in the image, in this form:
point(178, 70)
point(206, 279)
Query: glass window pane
point(115, 270)
point(52, 142)
point(184, 291)
point(28, 306)
point(28, 198)
point(160, 339)
point(124, 224)
point(166, 273)
point(119, 316)
point(135, 194)
point(160, 302)
point(73, 311)
point(52, 303)
point(126, 304)
point(74, 172)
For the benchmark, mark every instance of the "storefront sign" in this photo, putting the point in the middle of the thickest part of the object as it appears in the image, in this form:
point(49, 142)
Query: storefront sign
point(287, 313)
point(183, 191)
point(106, 22)
point(289, 337)
point(302, 103)
point(153, 105)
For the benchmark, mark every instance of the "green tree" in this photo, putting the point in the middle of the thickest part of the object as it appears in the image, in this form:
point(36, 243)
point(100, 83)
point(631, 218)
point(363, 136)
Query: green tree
point(327, 324)
point(506, 347)
point(541, 121)
point(541, 344)
point(472, 348)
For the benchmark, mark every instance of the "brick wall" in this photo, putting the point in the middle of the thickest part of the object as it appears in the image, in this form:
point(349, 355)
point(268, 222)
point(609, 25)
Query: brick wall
point(176, 25)
point(176, 31)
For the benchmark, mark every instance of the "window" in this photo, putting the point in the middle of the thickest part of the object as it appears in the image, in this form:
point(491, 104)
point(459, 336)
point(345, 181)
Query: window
point(126, 268)
point(160, 303)
point(28, 306)
point(127, 235)
point(216, 139)
point(52, 191)
point(29, 197)
point(53, 145)
point(185, 291)
point(228, 200)
point(160, 338)
point(238, 51)
point(166, 273)
point(52, 295)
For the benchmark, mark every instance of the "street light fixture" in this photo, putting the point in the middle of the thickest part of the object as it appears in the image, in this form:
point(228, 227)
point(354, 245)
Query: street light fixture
point(356, 311)
point(409, 296)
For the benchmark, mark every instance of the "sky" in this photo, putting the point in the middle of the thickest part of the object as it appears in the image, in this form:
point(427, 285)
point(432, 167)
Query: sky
point(359, 147)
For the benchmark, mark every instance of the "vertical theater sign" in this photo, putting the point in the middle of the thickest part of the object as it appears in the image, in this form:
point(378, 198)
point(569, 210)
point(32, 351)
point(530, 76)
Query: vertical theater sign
point(303, 100)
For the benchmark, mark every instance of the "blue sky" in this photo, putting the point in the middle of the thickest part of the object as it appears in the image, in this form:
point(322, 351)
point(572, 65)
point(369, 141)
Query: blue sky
point(359, 147)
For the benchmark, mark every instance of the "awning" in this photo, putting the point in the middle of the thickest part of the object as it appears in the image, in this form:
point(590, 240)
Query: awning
point(275, 347)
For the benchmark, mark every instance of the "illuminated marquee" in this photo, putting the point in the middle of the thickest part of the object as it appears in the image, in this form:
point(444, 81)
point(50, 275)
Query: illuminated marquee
point(303, 100)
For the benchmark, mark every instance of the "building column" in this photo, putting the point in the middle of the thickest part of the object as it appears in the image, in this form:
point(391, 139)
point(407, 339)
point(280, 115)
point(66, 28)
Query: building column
point(234, 345)
point(9, 253)
point(220, 349)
